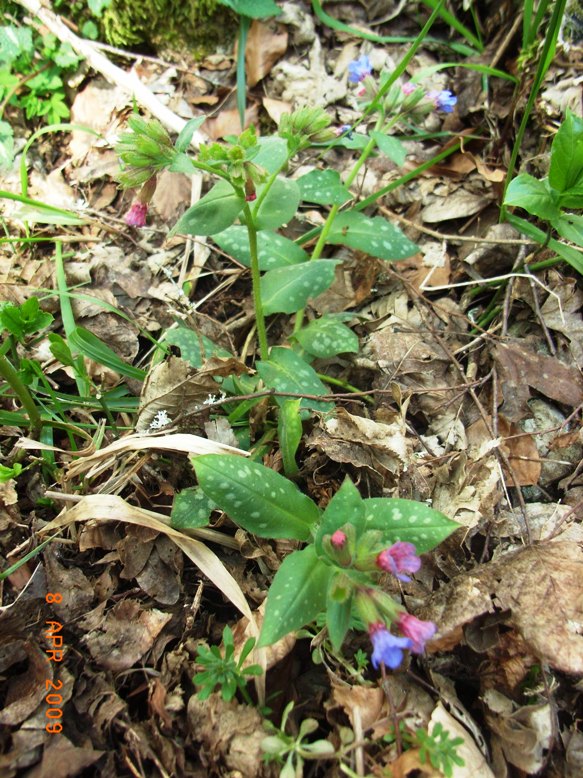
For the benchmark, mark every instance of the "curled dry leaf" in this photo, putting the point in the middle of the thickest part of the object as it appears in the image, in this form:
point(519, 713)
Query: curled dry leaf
point(266, 43)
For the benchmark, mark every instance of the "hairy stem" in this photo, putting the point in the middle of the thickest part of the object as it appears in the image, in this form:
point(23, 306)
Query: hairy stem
point(256, 281)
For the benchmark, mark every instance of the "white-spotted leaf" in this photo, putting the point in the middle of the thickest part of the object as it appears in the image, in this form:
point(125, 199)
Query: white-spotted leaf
point(255, 497)
point(194, 347)
point(391, 147)
point(296, 596)
point(273, 250)
point(287, 289)
point(372, 234)
point(279, 206)
point(326, 337)
point(191, 509)
point(409, 521)
point(272, 154)
point(323, 187)
point(214, 212)
point(286, 371)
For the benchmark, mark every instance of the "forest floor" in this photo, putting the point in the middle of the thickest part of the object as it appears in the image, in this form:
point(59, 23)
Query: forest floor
point(465, 393)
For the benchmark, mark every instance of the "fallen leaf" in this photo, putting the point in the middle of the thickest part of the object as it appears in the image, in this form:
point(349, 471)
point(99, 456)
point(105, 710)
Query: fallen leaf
point(266, 43)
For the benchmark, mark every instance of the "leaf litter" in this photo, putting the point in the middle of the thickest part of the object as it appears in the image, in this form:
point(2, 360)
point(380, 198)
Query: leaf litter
point(481, 423)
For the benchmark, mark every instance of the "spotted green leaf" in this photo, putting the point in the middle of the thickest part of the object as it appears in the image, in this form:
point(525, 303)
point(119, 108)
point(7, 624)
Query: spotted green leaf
point(287, 289)
point(372, 234)
point(391, 147)
point(278, 207)
point(323, 187)
point(214, 212)
point(326, 337)
point(409, 521)
point(296, 596)
point(273, 250)
point(191, 509)
point(289, 434)
point(194, 347)
point(255, 497)
point(286, 371)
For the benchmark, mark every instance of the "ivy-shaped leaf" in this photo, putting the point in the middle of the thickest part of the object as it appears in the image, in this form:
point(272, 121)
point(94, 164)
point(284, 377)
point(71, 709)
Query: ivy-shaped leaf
point(323, 187)
point(273, 249)
point(287, 289)
point(286, 371)
point(326, 337)
point(296, 596)
point(255, 497)
point(372, 234)
point(214, 212)
point(279, 206)
point(409, 521)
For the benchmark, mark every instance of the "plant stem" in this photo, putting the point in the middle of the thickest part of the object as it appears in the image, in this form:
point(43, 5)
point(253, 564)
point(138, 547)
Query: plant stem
point(10, 375)
point(256, 282)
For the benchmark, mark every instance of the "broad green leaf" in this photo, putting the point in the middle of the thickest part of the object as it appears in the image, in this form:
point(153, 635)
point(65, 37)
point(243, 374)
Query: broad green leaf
point(568, 253)
point(354, 140)
point(346, 507)
point(286, 371)
point(323, 187)
point(191, 509)
point(409, 521)
point(214, 212)
point(372, 234)
point(279, 206)
point(570, 226)
point(273, 250)
point(184, 140)
point(255, 497)
point(326, 337)
point(566, 168)
point(255, 9)
point(15, 41)
point(391, 147)
point(289, 434)
point(272, 154)
point(296, 596)
point(6, 145)
point(533, 195)
point(194, 347)
point(8, 473)
point(287, 289)
point(24, 319)
point(338, 616)
point(182, 163)
point(91, 346)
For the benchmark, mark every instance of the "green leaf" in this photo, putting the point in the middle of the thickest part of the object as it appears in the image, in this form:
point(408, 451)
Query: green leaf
point(375, 235)
point(407, 520)
point(272, 154)
point(326, 337)
point(289, 434)
point(90, 30)
point(287, 289)
point(37, 211)
point(65, 56)
point(533, 195)
point(338, 615)
point(191, 509)
point(7, 473)
point(568, 253)
point(566, 168)
point(6, 145)
point(184, 139)
point(570, 226)
point(346, 507)
point(286, 371)
point(296, 596)
point(182, 163)
point(273, 250)
point(255, 9)
point(98, 6)
point(391, 147)
point(214, 212)
point(279, 206)
point(24, 319)
point(255, 497)
point(91, 346)
point(194, 347)
point(323, 187)
point(15, 41)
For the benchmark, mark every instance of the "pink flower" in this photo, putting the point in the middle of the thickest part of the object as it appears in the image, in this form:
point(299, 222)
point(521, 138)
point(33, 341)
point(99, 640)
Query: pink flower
point(398, 559)
point(338, 539)
point(136, 216)
point(416, 630)
point(408, 88)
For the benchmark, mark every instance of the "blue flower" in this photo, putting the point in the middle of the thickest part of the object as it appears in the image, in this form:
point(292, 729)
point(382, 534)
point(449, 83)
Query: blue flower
point(387, 648)
point(359, 69)
point(443, 101)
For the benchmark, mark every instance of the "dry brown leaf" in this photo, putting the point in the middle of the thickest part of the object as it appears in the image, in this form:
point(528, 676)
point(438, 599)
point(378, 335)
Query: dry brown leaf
point(266, 43)
point(276, 108)
point(409, 765)
point(540, 586)
point(369, 700)
point(457, 205)
point(519, 368)
point(475, 765)
point(26, 690)
point(227, 122)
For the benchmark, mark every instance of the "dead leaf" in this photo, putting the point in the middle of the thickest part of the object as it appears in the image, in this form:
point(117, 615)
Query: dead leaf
point(172, 195)
point(266, 43)
point(522, 454)
point(61, 759)
point(475, 765)
point(26, 690)
point(227, 122)
point(276, 108)
point(458, 205)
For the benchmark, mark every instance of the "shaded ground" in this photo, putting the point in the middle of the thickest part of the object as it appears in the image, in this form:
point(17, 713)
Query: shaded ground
point(470, 400)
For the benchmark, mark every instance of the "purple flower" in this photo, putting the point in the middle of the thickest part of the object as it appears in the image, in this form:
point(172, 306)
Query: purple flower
point(359, 69)
point(136, 216)
point(416, 630)
point(443, 101)
point(387, 648)
point(398, 559)
point(344, 129)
